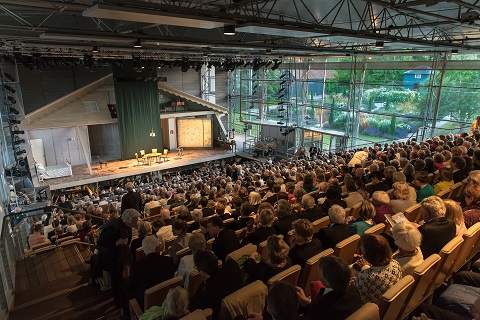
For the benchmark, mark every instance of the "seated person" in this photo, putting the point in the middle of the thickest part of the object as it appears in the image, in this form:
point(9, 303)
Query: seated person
point(381, 201)
point(285, 216)
point(86, 228)
point(341, 300)
point(338, 230)
point(197, 217)
point(37, 236)
point(258, 268)
point(446, 180)
point(196, 242)
point(400, 197)
point(407, 238)
point(304, 245)
point(219, 283)
point(175, 306)
point(424, 189)
point(226, 240)
point(282, 302)
point(436, 231)
point(144, 229)
point(378, 271)
point(146, 273)
point(365, 222)
point(179, 228)
point(454, 213)
point(261, 229)
point(308, 210)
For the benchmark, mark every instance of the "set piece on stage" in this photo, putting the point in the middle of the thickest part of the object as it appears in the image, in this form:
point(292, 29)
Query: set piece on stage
point(154, 156)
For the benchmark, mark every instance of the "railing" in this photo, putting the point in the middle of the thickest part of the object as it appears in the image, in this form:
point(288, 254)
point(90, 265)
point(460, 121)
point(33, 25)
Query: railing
point(14, 247)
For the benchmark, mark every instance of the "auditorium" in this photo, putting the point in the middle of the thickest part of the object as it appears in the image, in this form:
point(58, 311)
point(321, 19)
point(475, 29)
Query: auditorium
point(240, 159)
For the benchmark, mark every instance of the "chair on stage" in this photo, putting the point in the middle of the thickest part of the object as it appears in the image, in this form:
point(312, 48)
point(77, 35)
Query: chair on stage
point(140, 160)
point(165, 155)
point(102, 162)
point(154, 151)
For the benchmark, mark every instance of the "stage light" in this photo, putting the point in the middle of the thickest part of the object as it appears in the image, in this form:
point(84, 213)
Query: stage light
point(11, 99)
point(95, 49)
point(276, 64)
point(137, 43)
point(14, 121)
point(281, 89)
point(9, 77)
point(229, 30)
point(20, 152)
point(17, 131)
point(251, 105)
point(379, 44)
point(268, 51)
point(455, 51)
point(280, 122)
point(281, 110)
point(17, 140)
point(14, 111)
point(283, 76)
point(6, 86)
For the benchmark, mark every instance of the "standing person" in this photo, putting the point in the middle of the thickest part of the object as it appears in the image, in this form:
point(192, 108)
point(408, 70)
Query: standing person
point(475, 125)
point(112, 249)
point(131, 200)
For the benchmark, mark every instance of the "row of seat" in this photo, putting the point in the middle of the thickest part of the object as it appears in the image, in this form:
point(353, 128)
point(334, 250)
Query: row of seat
point(49, 246)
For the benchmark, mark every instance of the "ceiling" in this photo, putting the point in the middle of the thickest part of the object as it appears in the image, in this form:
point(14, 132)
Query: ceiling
point(278, 29)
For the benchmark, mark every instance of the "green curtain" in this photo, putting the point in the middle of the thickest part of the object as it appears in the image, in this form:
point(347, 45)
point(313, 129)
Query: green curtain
point(138, 114)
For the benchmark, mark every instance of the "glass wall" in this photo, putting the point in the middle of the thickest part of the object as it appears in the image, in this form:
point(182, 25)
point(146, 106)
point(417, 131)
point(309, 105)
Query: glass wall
point(368, 99)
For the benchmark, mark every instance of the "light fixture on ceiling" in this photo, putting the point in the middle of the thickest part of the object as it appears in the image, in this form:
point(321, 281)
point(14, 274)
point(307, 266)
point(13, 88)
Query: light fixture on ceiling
point(137, 43)
point(454, 51)
point(379, 44)
point(229, 30)
point(95, 49)
point(268, 51)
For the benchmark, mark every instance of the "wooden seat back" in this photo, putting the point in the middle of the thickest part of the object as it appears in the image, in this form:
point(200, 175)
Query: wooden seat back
point(445, 194)
point(249, 299)
point(413, 214)
point(311, 272)
point(393, 300)
point(155, 295)
point(423, 275)
point(355, 211)
point(376, 229)
point(245, 250)
point(346, 249)
point(456, 188)
point(290, 275)
point(320, 224)
point(470, 246)
point(368, 311)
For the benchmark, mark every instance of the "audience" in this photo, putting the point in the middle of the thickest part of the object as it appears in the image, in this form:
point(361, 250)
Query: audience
point(436, 231)
point(378, 271)
point(304, 246)
point(424, 189)
point(262, 229)
point(179, 228)
point(407, 238)
point(446, 180)
point(381, 201)
point(472, 209)
point(285, 217)
point(454, 213)
point(343, 299)
point(365, 221)
point(401, 197)
point(338, 229)
point(196, 242)
point(174, 307)
point(226, 240)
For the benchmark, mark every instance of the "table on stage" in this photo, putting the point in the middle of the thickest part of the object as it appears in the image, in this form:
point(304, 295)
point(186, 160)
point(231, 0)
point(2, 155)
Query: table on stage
point(226, 145)
point(151, 156)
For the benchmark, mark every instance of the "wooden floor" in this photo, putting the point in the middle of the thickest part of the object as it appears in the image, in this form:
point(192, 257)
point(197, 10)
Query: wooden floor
point(125, 168)
point(54, 285)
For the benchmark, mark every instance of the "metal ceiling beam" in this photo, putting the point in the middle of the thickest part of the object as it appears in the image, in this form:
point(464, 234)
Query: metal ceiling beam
point(47, 5)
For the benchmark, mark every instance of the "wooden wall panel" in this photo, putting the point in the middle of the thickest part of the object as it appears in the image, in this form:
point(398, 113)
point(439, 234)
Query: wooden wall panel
point(104, 140)
point(195, 133)
point(189, 84)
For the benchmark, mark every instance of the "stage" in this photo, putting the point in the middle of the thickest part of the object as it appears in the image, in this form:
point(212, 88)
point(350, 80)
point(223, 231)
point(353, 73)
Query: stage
point(120, 169)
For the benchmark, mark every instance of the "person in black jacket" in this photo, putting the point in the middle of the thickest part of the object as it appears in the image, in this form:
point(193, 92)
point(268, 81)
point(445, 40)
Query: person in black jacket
point(338, 229)
point(226, 240)
point(342, 301)
point(112, 250)
point(437, 230)
point(285, 217)
point(304, 246)
point(131, 200)
point(147, 272)
point(458, 169)
point(219, 283)
point(261, 229)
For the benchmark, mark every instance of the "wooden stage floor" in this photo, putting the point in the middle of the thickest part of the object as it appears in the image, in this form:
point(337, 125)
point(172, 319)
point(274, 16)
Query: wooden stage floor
point(120, 169)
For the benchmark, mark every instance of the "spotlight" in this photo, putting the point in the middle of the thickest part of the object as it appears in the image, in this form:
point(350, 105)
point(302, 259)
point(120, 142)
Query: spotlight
point(14, 111)
point(229, 30)
point(379, 44)
point(281, 109)
point(137, 43)
point(283, 76)
point(6, 86)
point(455, 51)
point(280, 122)
point(14, 121)
point(18, 141)
point(9, 77)
point(281, 96)
point(268, 51)
point(251, 105)
point(281, 90)
point(95, 49)
point(17, 131)
point(20, 152)
point(11, 99)
point(276, 64)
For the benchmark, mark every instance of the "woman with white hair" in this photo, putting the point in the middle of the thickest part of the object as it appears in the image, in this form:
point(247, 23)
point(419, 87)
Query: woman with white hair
point(408, 240)
point(195, 242)
point(401, 197)
point(175, 306)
